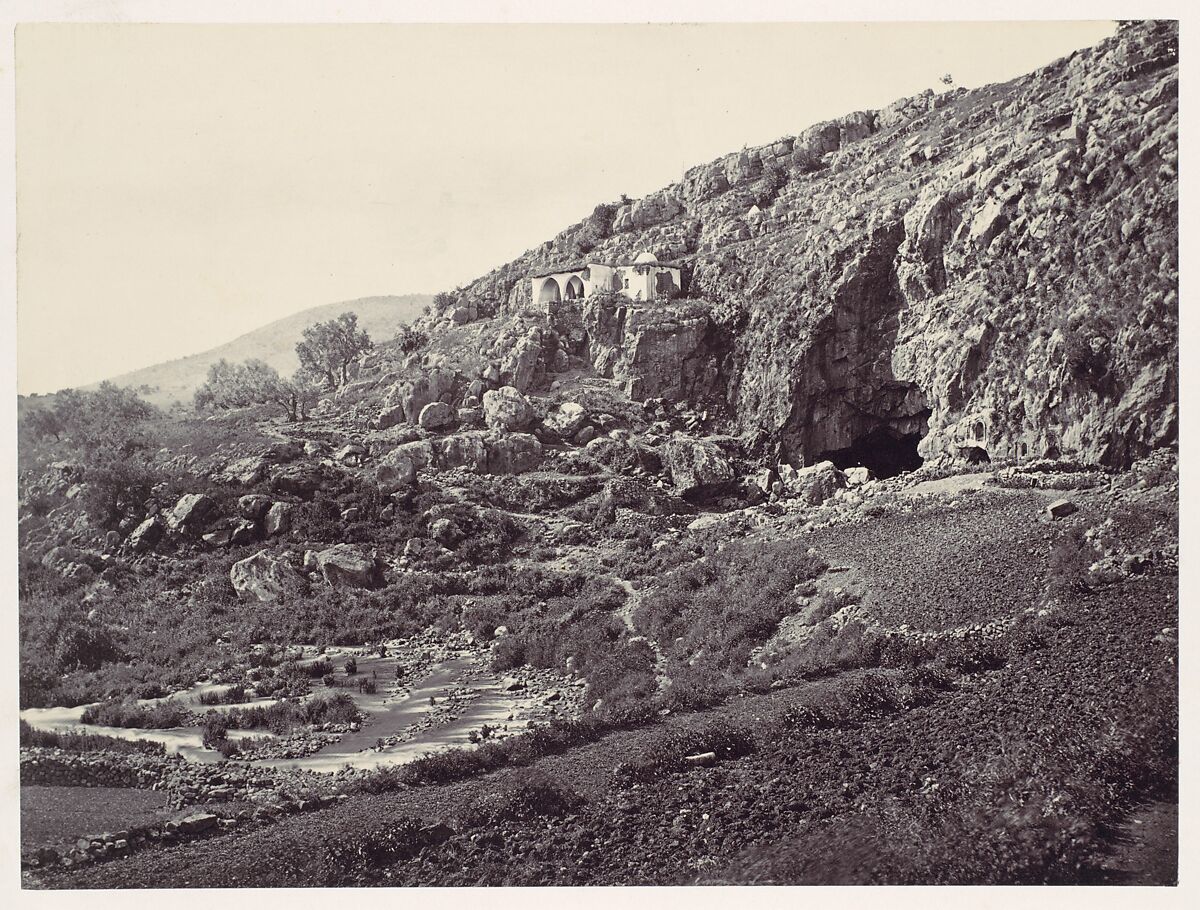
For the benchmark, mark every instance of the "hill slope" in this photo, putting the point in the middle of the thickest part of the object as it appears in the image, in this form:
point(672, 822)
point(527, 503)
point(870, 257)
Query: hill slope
point(990, 273)
point(275, 343)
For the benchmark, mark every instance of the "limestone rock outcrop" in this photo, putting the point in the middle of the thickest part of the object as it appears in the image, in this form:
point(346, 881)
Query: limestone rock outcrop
point(991, 271)
point(696, 465)
point(191, 513)
point(507, 409)
point(345, 566)
point(265, 578)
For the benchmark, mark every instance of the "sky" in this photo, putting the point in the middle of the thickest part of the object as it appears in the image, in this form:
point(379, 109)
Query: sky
point(179, 185)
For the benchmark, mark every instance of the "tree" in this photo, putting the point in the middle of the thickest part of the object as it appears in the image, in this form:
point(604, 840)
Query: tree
point(255, 382)
point(116, 487)
point(43, 423)
point(328, 348)
point(110, 418)
point(410, 339)
point(106, 429)
point(296, 395)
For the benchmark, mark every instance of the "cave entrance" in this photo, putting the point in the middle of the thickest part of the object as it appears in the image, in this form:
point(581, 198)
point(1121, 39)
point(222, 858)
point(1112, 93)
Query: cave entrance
point(884, 452)
point(975, 455)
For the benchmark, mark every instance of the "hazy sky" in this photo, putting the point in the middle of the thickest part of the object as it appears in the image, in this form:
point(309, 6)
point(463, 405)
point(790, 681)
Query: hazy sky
point(178, 185)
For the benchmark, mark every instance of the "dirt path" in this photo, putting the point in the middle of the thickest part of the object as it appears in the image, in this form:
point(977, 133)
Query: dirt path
point(632, 599)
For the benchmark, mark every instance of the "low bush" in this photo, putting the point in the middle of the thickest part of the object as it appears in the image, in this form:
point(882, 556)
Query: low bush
point(234, 695)
point(715, 610)
point(536, 795)
point(355, 856)
point(285, 715)
point(118, 713)
point(85, 742)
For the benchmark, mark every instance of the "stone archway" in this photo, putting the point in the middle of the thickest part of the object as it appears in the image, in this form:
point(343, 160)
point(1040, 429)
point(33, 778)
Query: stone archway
point(549, 292)
point(574, 289)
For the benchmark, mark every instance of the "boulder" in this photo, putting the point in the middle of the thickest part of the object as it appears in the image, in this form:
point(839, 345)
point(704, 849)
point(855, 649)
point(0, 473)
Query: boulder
point(60, 558)
point(470, 416)
point(244, 532)
point(395, 472)
point(696, 465)
point(245, 471)
point(763, 480)
point(219, 538)
point(419, 452)
point(345, 566)
point(435, 416)
point(351, 453)
point(512, 453)
point(198, 823)
point(856, 477)
point(265, 578)
point(567, 420)
point(461, 450)
point(813, 484)
point(146, 535)
point(520, 361)
point(460, 315)
point(413, 395)
point(1061, 508)
point(445, 531)
point(584, 436)
point(253, 505)
point(301, 480)
point(278, 519)
point(390, 417)
point(989, 222)
point(506, 409)
point(191, 513)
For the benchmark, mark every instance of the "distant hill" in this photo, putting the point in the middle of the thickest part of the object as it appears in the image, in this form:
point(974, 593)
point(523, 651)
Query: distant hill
point(274, 343)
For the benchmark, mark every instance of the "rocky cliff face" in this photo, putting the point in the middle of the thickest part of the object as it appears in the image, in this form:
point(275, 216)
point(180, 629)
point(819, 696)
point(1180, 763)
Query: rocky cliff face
point(987, 273)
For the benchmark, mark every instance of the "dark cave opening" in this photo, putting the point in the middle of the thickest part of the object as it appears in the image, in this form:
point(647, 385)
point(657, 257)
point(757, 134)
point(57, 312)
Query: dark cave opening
point(975, 455)
point(882, 451)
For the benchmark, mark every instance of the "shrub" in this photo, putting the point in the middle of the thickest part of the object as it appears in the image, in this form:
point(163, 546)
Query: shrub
point(320, 668)
point(284, 715)
point(117, 713)
point(234, 695)
point(410, 339)
point(357, 855)
point(717, 609)
point(215, 730)
point(535, 795)
point(86, 742)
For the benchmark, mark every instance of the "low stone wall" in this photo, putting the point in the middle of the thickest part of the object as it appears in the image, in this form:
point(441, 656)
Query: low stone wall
point(56, 768)
point(239, 796)
point(94, 848)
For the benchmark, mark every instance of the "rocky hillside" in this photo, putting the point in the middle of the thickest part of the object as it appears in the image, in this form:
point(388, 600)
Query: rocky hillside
point(275, 343)
point(989, 274)
point(709, 589)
